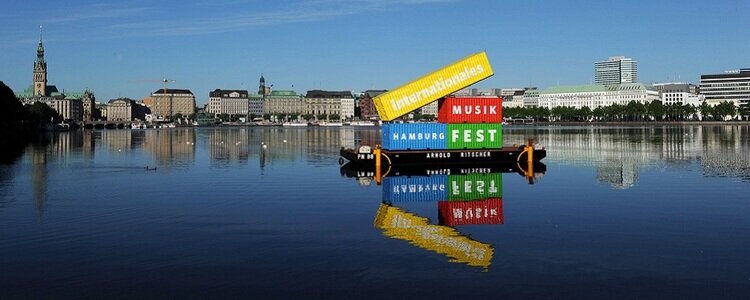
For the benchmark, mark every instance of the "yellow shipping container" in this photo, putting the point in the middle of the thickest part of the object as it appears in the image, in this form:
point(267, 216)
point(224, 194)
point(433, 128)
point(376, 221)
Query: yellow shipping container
point(433, 86)
point(445, 240)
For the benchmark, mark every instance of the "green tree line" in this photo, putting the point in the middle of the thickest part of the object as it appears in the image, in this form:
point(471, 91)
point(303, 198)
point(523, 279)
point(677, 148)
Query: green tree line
point(633, 111)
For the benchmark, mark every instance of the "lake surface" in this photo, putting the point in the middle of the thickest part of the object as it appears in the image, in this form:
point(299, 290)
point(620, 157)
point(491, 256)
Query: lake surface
point(619, 212)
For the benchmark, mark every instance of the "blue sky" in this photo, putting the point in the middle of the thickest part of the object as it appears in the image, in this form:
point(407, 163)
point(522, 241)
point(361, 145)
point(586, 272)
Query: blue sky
point(114, 48)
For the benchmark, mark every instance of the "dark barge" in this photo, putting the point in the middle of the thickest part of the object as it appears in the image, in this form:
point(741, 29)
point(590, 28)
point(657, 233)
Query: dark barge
point(365, 155)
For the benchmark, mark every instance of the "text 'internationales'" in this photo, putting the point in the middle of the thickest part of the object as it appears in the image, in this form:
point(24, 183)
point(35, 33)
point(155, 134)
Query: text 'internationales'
point(438, 86)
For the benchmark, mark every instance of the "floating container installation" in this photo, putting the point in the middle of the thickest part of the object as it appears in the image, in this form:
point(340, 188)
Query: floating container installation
point(486, 211)
point(469, 129)
point(470, 110)
point(414, 136)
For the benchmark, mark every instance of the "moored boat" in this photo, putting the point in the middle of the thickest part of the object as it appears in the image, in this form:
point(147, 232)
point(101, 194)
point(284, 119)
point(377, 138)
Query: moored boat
point(366, 155)
point(294, 124)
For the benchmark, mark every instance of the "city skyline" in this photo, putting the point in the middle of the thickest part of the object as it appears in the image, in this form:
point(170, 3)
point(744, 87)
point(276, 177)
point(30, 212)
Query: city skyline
point(360, 45)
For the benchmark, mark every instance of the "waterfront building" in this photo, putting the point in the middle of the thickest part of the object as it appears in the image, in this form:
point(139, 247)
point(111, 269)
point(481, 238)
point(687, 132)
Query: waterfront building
point(733, 86)
point(256, 103)
point(40, 70)
point(616, 70)
point(71, 105)
point(367, 110)
point(318, 102)
point(167, 104)
point(70, 108)
point(90, 112)
point(678, 93)
point(512, 97)
point(531, 97)
point(126, 109)
point(596, 95)
point(430, 109)
point(102, 109)
point(262, 89)
point(231, 102)
point(283, 102)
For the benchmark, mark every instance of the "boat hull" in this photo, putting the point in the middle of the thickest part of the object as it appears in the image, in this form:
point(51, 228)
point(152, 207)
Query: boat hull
point(428, 157)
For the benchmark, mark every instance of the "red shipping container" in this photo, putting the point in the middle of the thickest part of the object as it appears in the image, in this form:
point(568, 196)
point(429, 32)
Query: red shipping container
point(487, 211)
point(470, 110)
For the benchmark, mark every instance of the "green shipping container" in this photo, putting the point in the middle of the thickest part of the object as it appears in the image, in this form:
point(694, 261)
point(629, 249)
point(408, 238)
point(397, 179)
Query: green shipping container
point(475, 186)
point(475, 136)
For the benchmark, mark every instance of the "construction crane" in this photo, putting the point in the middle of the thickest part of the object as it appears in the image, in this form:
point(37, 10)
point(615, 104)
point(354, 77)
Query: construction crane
point(164, 82)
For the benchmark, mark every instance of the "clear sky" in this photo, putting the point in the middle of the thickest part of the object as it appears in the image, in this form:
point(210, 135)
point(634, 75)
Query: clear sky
point(114, 48)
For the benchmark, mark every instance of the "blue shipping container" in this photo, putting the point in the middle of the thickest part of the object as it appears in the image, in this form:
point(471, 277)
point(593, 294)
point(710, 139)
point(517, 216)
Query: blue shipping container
point(415, 188)
point(414, 136)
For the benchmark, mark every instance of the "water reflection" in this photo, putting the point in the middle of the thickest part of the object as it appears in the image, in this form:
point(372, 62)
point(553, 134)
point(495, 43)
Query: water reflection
point(465, 195)
point(618, 154)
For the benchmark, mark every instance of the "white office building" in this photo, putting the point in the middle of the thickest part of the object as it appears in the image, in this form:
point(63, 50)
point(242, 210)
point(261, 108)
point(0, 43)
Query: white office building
point(596, 95)
point(616, 70)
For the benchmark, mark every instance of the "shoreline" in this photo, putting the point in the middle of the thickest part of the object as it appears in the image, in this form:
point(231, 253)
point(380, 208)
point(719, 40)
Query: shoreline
point(634, 123)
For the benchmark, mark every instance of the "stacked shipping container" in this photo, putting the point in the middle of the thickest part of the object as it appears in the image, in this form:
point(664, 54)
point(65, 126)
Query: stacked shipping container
point(463, 123)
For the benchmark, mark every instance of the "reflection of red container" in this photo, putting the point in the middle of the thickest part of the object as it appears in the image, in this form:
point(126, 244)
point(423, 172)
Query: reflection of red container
point(470, 110)
point(487, 211)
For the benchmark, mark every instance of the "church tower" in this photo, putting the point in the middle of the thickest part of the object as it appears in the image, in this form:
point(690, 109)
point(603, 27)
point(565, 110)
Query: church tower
point(40, 69)
point(262, 87)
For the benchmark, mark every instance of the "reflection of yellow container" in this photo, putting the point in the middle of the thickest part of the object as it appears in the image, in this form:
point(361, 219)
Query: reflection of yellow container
point(399, 224)
point(433, 86)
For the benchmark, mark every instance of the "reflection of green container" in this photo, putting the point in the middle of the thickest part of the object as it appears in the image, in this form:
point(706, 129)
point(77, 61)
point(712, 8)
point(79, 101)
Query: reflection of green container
point(475, 136)
point(475, 186)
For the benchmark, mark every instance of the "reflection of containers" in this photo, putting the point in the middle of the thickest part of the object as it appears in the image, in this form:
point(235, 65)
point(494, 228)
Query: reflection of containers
point(415, 188)
point(414, 136)
point(487, 211)
point(418, 231)
point(470, 110)
point(475, 186)
point(475, 136)
point(433, 86)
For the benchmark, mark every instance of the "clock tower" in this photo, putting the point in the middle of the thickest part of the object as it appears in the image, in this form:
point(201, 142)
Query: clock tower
point(40, 69)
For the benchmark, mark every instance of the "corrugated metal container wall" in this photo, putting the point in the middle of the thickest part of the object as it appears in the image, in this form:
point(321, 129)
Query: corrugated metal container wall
point(487, 211)
point(470, 110)
point(475, 186)
point(475, 136)
point(415, 188)
point(433, 86)
point(414, 136)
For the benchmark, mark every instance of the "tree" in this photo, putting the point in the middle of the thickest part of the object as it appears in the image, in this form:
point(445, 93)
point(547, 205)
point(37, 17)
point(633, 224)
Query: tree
point(223, 117)
point(334, 117)
point(42, 113)
point(690, 111)
point(706, 110)
point(744, 110)
point(177, 116)
point(584, 113)
point(656, 110)
point(598, 113)
point(12, 112)
point(725, 109)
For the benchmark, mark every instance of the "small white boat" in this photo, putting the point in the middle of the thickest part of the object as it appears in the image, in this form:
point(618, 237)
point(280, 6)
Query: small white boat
point(362, 123)
point(294, 124)
point(330, 124)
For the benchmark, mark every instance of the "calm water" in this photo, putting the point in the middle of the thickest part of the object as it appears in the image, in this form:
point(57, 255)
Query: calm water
point(621, 212)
